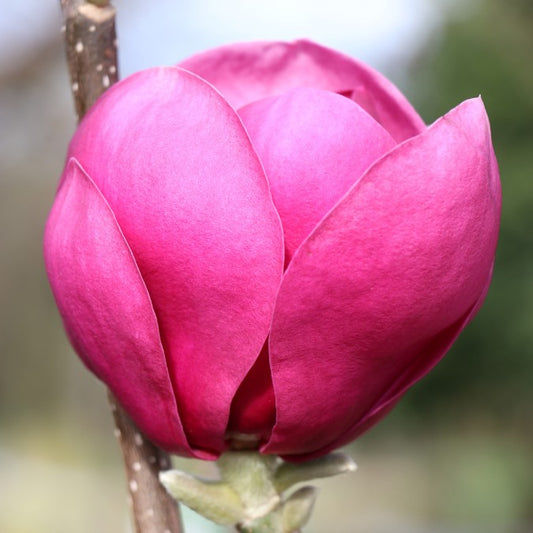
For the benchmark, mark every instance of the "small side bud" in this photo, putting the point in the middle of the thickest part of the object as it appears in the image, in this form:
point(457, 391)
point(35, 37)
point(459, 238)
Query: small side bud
point(214, 500)
point(297, 509)
point(333, 464)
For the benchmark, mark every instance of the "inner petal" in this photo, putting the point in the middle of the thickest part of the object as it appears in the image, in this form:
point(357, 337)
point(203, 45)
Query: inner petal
point(314, 145)
point(253, 409)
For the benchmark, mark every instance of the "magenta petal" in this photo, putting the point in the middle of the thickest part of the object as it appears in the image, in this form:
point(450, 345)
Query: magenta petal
point(106, 309)
point(176, 166)
point(314, 145)
point(246, 72)
point(439, 345)
point(379, 290)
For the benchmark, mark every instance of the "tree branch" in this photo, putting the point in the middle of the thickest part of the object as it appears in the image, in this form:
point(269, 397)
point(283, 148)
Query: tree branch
point(91, 49)
point(154, 510)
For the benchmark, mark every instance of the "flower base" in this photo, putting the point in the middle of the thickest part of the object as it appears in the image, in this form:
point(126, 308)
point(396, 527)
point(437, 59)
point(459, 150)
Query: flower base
point(251, 492)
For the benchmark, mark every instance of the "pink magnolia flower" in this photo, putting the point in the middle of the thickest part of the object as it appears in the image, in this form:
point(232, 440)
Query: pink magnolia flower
point(268, 246)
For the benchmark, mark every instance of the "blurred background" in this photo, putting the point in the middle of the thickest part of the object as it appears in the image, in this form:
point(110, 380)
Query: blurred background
point(456, 456)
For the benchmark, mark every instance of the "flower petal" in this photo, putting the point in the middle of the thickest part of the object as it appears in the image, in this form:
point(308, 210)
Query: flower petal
point(385, 282)
point(106, 309)
point(246, 72)
point(388, 401)
point(177, 167)
point(314, 145)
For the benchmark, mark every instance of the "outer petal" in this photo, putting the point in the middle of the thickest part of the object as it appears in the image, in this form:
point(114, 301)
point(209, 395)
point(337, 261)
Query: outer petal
point(106, 309)
point(314, 145)
point(177, 167)
point(376, 294)
point(247, 72)
point(441, 344)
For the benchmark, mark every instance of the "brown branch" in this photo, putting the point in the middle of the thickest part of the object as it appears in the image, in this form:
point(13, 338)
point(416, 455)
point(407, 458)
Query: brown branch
point(91, 50)
point(91, 47)
point(154, 510)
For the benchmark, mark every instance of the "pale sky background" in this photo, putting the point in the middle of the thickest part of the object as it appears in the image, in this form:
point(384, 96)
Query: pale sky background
point(165, 31)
